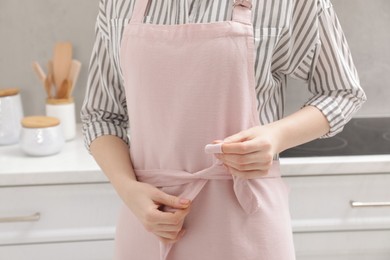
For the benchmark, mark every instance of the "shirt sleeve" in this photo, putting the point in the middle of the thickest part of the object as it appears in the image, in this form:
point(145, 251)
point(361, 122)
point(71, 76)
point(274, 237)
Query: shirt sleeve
point(326, 65)
point(104, 111)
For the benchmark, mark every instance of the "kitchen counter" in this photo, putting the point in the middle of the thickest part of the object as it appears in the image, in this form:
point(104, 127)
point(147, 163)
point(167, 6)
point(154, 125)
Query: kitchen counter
point(331, 165)
point(77, 207)
point(54, 205)
point(72, 165)
point(75, 165)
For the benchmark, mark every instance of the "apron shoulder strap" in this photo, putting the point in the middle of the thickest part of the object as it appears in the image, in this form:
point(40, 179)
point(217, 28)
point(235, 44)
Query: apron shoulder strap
point(242, 11)
point(139, 10)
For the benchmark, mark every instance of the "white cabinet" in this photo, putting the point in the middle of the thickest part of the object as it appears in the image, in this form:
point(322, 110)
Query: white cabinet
point(325, 224)
point(48, 220)
point(55, 207)
point(345, 245)
point(73, 208)
point(80, 250)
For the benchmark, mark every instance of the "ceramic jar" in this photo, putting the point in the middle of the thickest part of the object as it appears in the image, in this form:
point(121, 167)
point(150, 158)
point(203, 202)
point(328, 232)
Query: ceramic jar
point(41, 136)
point(11, 112)
point(64, 110)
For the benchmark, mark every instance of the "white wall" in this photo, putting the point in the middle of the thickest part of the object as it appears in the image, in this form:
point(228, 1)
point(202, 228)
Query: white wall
point(28, 31)
point(366, 25)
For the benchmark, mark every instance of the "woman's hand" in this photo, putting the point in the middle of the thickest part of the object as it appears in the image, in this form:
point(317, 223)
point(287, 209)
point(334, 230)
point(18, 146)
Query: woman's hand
point(146, 202)
point(249, 153)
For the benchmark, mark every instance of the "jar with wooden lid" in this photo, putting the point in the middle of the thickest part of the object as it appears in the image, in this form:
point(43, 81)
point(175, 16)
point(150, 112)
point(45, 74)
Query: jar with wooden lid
point(41, 136)
point(11, 112)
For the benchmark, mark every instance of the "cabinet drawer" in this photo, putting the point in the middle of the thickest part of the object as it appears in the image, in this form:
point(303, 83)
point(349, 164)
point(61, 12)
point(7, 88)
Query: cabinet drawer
point(348, 245)
point(67, 213)
point(88, 250)
point(323, 203)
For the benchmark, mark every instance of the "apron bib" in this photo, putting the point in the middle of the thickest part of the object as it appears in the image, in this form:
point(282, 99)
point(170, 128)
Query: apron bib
point(187, 85)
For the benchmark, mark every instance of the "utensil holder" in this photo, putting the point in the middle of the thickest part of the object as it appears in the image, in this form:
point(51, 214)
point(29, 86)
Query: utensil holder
point(64, 110)
point(11, 112)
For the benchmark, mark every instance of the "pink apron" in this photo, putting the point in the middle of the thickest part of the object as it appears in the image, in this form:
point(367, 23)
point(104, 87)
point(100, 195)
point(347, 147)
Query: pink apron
point(187, 85)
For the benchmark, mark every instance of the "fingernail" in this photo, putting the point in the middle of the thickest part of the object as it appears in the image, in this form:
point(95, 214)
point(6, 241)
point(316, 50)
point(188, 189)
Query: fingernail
point(213, 148)
point(185, 201)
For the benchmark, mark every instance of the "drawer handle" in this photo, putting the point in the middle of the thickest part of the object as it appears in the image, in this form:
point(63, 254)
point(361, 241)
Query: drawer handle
point(34, 217)
point(359, 204)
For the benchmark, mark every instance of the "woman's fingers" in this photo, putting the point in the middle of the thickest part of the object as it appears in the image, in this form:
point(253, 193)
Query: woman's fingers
point(169, 228)
point(238, 166)
point(160, 213)
point(169, 218)
point(247, 146)
point(171, 201)
point(166, 225)
point(246, 134)
point(246, 159)
point(250, 167)
point(247, 154)
point(248, 174)
point(240, 147)
point(169, 233)
point(169, 238)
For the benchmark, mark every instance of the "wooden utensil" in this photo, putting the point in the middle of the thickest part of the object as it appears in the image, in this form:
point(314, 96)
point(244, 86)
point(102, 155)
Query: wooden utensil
point(62, 60)
point(51, 78)
point(64, 90)
point(48, 85)
point(74, 74)
point(50, 68)
point(68, 94)
point(39, 71)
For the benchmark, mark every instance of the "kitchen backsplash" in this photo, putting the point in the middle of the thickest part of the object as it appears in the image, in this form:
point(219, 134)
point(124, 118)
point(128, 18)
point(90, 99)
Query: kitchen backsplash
point(29, 30)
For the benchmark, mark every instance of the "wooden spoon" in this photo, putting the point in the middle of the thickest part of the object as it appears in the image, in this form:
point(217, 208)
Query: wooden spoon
point(74, 75)
point(64, 91)
point(62, 60)
point(68, 94)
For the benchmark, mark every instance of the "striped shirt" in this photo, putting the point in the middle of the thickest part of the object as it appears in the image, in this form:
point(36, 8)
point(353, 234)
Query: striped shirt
point(297, 38)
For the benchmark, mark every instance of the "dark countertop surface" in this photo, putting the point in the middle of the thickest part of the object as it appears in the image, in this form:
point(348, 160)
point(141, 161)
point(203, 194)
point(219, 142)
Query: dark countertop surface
point(361, 136)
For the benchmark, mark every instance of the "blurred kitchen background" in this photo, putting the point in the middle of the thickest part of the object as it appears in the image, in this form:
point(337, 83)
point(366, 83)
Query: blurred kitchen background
point(62, 207)
point(29, 30)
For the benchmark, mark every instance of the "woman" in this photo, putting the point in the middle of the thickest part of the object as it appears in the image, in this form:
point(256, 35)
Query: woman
point(185, 76)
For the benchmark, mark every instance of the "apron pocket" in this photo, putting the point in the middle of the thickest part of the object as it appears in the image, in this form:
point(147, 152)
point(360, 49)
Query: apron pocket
point(117, 27)
point(264, 34)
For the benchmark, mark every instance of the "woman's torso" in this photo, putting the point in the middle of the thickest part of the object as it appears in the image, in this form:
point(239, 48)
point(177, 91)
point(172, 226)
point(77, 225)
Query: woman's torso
point(270, 21)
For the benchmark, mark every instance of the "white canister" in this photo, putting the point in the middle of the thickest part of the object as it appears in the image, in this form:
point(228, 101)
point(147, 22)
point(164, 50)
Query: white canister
point(11, 112)
point(64, 110)
point(41, 136)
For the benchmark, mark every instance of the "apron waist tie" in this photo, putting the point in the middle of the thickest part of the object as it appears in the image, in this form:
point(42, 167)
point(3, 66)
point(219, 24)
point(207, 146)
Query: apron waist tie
point(167, 178)
point(242, 188)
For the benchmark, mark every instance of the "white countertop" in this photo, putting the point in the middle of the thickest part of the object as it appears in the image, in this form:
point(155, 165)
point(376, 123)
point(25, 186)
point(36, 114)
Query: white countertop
point(72, 165)
point(332, 165)
point(75, 165)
